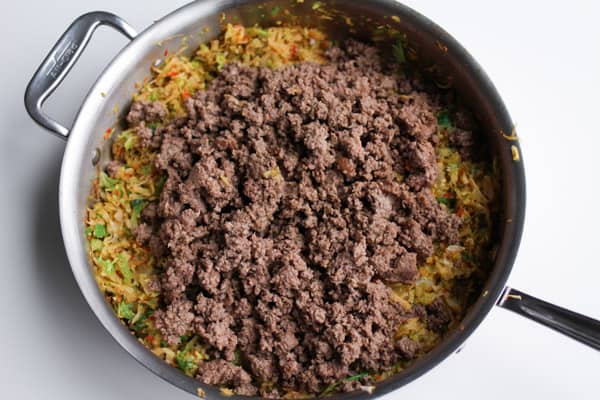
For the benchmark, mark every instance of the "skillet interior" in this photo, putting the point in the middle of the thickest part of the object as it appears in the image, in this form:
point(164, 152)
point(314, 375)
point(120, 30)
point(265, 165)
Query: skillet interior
point(429, 43)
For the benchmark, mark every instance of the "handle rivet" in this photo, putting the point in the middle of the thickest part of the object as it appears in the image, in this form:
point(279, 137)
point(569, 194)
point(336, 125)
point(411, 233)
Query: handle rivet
point(96, 156)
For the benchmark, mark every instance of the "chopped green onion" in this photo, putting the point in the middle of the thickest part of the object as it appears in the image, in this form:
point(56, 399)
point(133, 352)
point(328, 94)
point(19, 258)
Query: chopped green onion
point(443, 119)
point(160, 184)
point(141, 323)
point(237, 357)
point(275, 11)
point(125, 269)
point(186, 361)
point(331, 388)
point(146, 169)
point(443, 200)
point(107, 182)
point(452, 166)
point(447, 201)
point(108, 267)
point(95, 244)
point(356, 377)
point(220, 59)
point(100, 231)
point(125, 310)
point(129, 139)
point(398, 52)
point(262, 33)
point(137, 206)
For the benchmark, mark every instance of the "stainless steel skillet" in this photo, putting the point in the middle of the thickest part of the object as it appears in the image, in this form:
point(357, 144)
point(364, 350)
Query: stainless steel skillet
point(86, 147)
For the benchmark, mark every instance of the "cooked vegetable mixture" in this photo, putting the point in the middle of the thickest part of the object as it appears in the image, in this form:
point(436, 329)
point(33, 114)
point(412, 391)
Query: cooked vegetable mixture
point(369, 219)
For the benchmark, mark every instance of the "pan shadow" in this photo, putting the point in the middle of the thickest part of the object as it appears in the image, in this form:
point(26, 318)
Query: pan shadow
point(74, 330)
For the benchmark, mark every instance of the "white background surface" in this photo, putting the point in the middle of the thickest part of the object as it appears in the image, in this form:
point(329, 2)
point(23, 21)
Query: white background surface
point(544, 57)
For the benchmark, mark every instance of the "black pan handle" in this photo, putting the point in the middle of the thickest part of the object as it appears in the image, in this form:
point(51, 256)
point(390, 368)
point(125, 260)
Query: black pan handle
point(579, 327)
point(61, 59)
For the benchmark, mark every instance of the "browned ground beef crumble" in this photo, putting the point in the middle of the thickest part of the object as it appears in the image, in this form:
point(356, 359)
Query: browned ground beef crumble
point(292, 197)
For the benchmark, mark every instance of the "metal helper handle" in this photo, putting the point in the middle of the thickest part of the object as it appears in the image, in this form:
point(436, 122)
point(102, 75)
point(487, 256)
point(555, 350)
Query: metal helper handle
point(579, 327)
point(61, 59)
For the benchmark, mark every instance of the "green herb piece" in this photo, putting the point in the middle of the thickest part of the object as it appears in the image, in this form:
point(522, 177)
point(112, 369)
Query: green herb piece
point(153, 126)
point(160, 184)
point(398, 52)
point(95, 244)
point(108, 267)
point(237, 357)
point(140, 324)
point(189, 344)
point(146, 169)
point(452, 167)
point(331, 388)
point(88, 231)
point(129, 141)
point(275, 11)
point(153, 303)
point(220, 59)
point(316, 5)
point(443, 119)
point(107, 182)
point(184, 363)
point(137, 206)
point(153, 96)
point(127, 137)
point(125, 269)
point(125, 310)
point(447, 201)
point(100, 231)
point(356, 377)
point(262, 33)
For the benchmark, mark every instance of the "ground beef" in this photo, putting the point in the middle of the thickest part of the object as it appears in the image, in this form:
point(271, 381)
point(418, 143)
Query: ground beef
point(438, 315)
point(463, 140)
point(220, 372)
point(407, 347)
point(292, 197)
point(113, 167)
point(176, 319)
point(143, 111)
